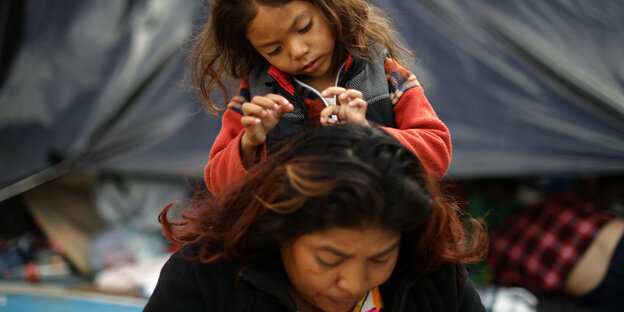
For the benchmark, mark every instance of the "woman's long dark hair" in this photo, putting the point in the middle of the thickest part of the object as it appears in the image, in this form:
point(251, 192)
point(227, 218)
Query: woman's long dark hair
point(345, 176)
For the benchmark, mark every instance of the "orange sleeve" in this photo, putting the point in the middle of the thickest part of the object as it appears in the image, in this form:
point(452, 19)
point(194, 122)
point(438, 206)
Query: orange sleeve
point(418, 126)
point(225, 165)
point(421, 131)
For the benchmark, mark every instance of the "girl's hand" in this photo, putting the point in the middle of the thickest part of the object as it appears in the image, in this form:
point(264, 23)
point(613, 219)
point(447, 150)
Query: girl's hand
point(351, 107)
point(260, 117)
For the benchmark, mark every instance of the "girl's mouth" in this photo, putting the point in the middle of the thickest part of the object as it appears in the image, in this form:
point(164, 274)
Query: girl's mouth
point(312, 66)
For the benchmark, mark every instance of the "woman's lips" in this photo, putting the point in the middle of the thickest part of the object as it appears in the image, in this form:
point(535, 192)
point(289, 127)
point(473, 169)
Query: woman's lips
point(342, 304)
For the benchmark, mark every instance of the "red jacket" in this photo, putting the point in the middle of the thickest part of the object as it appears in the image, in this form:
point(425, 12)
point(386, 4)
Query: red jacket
point(417, 126)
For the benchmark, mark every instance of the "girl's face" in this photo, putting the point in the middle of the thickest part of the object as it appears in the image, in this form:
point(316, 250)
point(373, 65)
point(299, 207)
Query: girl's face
point(332, 269)
point(295, 37)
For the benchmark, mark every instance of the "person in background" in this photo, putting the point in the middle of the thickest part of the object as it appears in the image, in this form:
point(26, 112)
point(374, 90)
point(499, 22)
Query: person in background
point(570, 242)
point(340, 218)
point(306, 64)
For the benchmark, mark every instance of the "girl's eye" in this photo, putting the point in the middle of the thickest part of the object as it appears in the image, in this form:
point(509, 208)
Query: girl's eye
point(274, 52)
point(306, 27)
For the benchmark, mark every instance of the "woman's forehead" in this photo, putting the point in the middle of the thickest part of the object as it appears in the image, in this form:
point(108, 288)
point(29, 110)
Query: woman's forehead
point(350, 242)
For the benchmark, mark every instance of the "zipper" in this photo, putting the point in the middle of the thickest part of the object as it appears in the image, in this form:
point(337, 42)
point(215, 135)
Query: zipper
point(319, 94)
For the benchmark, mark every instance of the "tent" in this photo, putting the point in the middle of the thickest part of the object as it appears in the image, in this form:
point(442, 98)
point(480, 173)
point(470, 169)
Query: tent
point(525, 87)
point(97, 85)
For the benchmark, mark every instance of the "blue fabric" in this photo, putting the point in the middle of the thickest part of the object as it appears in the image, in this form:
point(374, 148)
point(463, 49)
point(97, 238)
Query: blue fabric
point(35, 303)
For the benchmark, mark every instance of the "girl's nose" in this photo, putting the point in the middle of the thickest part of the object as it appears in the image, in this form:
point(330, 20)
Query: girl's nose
point(298, 48)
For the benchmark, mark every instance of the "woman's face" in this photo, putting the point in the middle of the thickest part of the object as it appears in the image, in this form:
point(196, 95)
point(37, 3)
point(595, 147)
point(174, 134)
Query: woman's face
point(332, 269)
point(294, 37)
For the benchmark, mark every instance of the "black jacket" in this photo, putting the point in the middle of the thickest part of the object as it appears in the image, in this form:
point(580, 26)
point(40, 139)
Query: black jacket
point(186, 285)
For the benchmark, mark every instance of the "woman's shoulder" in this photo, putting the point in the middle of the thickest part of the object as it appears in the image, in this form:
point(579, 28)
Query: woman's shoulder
point(184, 270)
point(184, 277)
point(226, 285)
point(187, 258)
point(446, 289)
point(446, 273)
point(181, 277)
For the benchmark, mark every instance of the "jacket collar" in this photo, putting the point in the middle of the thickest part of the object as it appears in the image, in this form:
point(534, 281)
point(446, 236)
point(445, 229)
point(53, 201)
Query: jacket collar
point(269, 277)
point(283, 79)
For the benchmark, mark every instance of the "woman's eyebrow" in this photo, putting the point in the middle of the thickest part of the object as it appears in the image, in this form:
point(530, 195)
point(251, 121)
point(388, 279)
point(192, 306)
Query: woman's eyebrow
point(388, 250)
point(336, 251)
point(346, 255)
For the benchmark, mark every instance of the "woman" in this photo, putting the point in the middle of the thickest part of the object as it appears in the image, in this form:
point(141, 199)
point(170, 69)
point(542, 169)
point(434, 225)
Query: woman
point(340, 218)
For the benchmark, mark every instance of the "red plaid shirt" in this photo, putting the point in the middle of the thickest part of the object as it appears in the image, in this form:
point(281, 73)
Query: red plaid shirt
point(539, 246)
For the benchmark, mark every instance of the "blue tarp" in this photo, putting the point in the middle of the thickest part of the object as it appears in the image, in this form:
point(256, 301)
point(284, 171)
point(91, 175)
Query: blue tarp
point(34, 302)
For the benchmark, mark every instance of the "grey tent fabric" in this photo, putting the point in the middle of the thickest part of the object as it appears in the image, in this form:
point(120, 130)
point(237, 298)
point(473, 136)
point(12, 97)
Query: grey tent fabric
point(526, 87)
point(98, 86)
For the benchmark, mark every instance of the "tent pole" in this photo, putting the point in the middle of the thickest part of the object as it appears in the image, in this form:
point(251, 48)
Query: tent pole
point(35, 180)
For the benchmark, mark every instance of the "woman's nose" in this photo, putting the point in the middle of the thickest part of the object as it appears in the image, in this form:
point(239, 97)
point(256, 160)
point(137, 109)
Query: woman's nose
point(352, 279)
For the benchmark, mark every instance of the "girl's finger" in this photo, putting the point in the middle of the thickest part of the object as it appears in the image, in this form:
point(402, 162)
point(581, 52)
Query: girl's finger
point(248, 121)
point(357, 102)
point(252, 109)
point(332, 91)
point(277, 99)
point(352, 94)
point(283, 109)
point(328, 114)
point(330, 110)
point(341, 92)
point(269, 101)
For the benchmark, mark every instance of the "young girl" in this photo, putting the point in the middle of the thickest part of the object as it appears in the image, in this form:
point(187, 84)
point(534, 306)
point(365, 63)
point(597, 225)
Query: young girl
point(296, 59)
